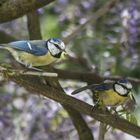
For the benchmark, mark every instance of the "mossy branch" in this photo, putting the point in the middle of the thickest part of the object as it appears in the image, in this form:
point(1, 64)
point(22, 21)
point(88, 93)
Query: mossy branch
point(48, 89)
point(12, 9)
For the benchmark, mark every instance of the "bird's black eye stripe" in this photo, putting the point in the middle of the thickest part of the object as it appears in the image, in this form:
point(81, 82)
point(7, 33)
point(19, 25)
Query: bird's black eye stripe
point(123, 86)
point(58, 47)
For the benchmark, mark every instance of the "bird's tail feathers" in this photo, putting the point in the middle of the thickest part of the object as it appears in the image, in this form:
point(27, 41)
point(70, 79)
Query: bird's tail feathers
point(3, 46)
point(84, 88)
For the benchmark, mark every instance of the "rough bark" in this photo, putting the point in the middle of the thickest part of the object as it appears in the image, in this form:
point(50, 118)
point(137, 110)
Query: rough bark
point(12, 9)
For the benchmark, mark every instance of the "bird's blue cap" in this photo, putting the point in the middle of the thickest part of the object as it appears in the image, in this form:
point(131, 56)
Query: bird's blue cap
point(123, 81)
point(56, 40)
point(126, 83)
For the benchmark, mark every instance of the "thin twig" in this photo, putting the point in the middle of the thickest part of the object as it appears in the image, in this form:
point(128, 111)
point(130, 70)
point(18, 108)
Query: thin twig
point(91, 76)
point(102, 131)
point(23, 72)
point(36, 73)
point(102, 11)
point(131, 79)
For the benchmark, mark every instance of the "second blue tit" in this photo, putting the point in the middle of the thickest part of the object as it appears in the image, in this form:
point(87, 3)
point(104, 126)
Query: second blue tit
point(36, 52)
point(111, 93)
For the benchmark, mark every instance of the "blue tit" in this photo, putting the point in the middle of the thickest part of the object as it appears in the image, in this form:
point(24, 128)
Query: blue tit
point(112, 93)
point(36, 52)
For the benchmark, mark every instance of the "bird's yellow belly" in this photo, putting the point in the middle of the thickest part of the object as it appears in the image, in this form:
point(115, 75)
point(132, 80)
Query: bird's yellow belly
point(111, 98)
point(30, 59)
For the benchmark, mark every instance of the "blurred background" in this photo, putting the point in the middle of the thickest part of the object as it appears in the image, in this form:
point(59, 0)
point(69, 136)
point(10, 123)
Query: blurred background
point(24, 116)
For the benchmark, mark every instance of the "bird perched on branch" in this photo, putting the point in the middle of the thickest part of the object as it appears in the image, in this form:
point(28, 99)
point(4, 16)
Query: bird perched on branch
point(110, 93)
point(36, 52)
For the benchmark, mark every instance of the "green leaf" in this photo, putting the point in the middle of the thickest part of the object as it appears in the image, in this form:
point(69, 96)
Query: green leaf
point(131, 118)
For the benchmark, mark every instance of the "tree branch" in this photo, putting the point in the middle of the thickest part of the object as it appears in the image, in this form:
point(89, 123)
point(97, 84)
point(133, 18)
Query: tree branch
point(4, 37)
point(91, 76)
point(33, 25)
point(81, 76)
point(12, 9)
point(80, 124)
point(102, 131)
point(34, 84)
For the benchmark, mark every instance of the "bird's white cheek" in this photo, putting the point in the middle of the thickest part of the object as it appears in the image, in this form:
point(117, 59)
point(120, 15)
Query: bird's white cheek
point(62, 46)
point(129, 85)
point(53, 49)
point(121, 90)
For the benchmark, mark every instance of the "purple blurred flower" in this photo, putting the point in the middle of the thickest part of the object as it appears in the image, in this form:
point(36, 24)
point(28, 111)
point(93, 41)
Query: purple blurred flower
point(86, 5)
point(5, 110)
point(63, 2)
point(133, 22)
point(41, 10)
point(47, 124)
point(5, 97)
point(133, 30)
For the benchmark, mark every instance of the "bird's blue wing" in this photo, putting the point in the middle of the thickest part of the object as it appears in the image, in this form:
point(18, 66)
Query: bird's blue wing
point(33, 47)
point(95, 87)
point(102, 87)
